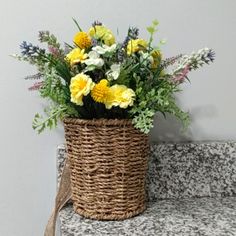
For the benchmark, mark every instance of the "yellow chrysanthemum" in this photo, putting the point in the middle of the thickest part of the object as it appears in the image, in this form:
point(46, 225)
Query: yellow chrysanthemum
point(100, 91)
point(120, 95)
point(80, 86)
point(134, 45)
point(116, 95)
point(82, 40)
point(156, 55)
point(76, 55)
point(103, 33)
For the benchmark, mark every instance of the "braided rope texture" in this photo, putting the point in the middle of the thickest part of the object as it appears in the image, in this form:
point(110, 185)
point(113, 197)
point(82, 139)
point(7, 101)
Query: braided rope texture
point(108, 161)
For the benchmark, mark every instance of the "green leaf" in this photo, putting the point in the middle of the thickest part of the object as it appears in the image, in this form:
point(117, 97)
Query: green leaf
point(69, 46)
point(77, 24)
point(144, 120)
point(53, 114)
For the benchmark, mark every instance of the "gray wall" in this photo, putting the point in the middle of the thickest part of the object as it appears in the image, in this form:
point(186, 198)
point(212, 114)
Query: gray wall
point(28, 169)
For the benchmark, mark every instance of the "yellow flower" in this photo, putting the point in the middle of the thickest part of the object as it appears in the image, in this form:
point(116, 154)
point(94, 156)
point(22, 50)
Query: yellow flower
point(120, 95)
point(103, 33)
point(80, 86)
point(156, 55)
point(76, 55)
point(134, 45)
point(100, 91)
point(116, 95)
point(82, 40)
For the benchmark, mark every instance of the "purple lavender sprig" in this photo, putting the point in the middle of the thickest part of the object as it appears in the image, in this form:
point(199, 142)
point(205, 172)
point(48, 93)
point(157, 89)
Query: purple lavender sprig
point(29, 50)
point(34, 55)
point(191, 62)
point(54, 51)
point(133, 33)
point(36, 86)
point(209, 56)
point(181, 75)
point(170, 61)
point(198, 59)
point(34, 77)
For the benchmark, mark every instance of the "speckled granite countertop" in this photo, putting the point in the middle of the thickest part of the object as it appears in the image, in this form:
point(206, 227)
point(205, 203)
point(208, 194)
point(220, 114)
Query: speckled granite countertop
point(192, 192)
point(189, 217)
point(186, 170)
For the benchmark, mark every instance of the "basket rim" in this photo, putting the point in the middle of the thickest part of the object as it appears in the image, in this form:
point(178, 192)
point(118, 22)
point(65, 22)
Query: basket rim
point(98, 122)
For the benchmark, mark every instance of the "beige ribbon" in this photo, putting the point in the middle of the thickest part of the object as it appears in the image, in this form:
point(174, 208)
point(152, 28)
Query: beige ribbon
point(63, 196)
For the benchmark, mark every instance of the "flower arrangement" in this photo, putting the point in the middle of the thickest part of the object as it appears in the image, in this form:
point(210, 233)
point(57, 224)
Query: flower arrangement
point(97, 77)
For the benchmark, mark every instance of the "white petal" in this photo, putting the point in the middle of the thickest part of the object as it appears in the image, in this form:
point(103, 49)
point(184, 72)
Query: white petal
point(93, 55)
point(115, 67)
point(99, 50)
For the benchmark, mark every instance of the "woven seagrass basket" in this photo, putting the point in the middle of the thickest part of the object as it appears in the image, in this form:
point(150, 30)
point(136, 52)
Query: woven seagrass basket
point(108, 161)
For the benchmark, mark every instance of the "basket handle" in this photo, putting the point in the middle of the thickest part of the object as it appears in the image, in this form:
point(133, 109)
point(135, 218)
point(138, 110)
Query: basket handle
point(63, 196)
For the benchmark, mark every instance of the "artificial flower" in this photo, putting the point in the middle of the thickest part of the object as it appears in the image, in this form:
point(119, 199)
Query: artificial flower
point(82, 40)
point(146, 58)
point(156, 55)
point(103, 33)
point(80, 86)
point(94, 61)
point(102, 68)
point(120, 95)
point(114, 72)
point(100, 91)
point(135, 45)
point(76, 56)
point(116, 95)
point(104, 49)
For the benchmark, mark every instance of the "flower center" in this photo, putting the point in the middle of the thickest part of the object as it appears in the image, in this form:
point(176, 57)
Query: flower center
point(82, 84)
